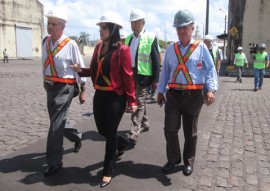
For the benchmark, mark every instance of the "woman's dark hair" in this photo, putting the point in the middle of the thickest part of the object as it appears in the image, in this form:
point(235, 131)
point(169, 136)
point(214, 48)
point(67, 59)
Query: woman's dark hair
point(114, 35)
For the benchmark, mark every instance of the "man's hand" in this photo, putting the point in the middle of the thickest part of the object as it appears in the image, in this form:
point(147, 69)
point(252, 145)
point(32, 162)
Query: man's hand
point(82, 97)
point(160, 99)
point(209, 98)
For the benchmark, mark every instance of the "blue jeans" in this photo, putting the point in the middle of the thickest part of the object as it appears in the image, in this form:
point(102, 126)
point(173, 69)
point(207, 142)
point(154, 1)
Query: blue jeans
point(258, 74)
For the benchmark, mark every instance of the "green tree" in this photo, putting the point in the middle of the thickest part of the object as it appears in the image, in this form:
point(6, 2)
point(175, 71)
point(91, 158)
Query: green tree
point(84, 38)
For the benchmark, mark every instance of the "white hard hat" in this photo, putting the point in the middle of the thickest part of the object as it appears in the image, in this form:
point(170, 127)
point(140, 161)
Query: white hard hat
point(107, 19)
point(136, 14)
point(57, 13)
point(208, 37)
point(262, 46)
point(239, 48)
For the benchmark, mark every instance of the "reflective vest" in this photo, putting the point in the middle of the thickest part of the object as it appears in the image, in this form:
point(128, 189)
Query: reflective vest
point(182, 66)
point(215, 53)
point(240, 59)
point(50, 63)
point(259, 61)
point(144, 62)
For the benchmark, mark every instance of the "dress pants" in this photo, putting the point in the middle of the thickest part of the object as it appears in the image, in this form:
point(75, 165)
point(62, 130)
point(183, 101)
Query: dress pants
point(182, 106)
point(139, 118)
point(59, 97)
point(109, 109)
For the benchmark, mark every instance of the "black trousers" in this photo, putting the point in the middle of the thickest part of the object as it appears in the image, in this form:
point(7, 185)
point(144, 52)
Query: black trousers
point(182, 106)
point(109, 108)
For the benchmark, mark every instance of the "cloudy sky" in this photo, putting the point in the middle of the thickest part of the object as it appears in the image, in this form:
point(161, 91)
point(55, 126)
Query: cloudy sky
point(84, 14)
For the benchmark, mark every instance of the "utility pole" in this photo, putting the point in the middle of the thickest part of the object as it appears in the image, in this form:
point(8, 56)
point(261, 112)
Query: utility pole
point(224, 43)
point(207, 17)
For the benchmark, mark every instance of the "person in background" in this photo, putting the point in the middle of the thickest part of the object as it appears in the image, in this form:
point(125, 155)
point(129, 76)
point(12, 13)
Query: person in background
point(260, 60)
point(215, 52)
point(144, 50)
point(5, 55)
point(187, 67)
point(239, 61)
point(61, 85)
point(111, 74)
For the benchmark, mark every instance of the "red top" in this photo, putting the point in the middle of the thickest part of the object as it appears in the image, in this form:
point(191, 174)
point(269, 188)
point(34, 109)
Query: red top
point(120, 72)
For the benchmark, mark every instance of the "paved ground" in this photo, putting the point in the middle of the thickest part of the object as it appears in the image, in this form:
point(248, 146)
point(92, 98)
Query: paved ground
point(233, 150)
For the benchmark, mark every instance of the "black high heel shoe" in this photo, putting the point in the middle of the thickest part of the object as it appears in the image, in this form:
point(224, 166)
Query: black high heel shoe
point(105, 183)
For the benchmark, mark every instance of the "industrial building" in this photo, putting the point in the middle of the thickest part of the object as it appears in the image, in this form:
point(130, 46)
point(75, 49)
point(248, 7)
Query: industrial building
point(21, 28)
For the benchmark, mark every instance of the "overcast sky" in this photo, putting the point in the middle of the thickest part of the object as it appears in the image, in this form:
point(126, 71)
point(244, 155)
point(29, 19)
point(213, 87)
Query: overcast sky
point(84, 14)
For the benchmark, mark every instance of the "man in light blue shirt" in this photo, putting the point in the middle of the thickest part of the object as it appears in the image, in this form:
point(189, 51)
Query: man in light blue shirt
point(186, 69)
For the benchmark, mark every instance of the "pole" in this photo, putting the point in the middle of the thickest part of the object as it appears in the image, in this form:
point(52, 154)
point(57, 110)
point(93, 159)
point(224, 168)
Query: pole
point(224, 45)
point(207, 17)
point(224, 49)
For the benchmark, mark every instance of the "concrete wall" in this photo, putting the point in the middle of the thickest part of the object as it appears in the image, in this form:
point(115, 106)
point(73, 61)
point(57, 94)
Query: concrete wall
point(251, 19)
point(28, 13)
point(256, 26)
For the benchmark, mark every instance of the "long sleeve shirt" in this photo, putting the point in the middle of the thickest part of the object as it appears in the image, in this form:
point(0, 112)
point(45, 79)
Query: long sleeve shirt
point(204, 73)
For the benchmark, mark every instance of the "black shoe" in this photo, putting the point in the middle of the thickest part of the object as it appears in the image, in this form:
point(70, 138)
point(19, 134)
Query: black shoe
point(120, 153)
point(77, 146)
point(188, 169)
point(169, 166)
point(52, 169)
point(105, 183)
point(240, 80)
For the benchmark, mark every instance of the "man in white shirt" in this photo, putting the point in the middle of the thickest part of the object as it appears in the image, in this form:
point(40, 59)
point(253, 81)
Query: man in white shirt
point(61, 85)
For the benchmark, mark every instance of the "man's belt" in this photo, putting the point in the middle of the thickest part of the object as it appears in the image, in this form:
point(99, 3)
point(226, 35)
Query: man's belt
point(62, 80)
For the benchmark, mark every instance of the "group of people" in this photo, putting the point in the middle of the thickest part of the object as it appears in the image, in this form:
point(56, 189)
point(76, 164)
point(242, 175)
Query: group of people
point(122, 74)
point(260, 59)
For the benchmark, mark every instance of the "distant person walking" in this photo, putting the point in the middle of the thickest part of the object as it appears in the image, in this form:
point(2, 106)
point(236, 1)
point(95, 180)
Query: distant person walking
point(215, 52)
point(5, 54)
point(239, 61)
point(261, 61)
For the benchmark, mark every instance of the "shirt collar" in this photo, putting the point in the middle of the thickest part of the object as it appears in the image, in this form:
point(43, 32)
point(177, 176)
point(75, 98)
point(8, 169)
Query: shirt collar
point(140, 34)
point(191, 42)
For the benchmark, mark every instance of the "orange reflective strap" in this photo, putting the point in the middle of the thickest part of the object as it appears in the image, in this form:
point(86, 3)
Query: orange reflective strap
point(62, 80)
point(104, 88)
point(49, 60)
point(186, 86)
point(182, 60)
point(99, 71)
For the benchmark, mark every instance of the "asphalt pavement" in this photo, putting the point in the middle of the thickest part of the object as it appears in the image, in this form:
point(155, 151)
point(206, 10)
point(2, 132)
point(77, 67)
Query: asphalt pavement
point(233, 150)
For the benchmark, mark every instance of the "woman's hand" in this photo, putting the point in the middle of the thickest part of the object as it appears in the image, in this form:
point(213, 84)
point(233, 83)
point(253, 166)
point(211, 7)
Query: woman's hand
point(76, 68)
point(131, 109)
